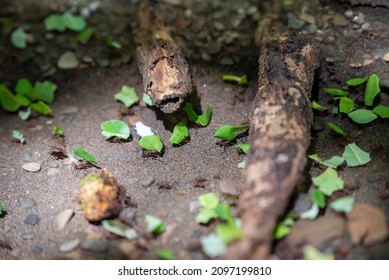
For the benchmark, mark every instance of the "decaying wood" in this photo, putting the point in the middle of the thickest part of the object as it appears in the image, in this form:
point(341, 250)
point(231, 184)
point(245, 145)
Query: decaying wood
point(280, 130)
point(165, 71)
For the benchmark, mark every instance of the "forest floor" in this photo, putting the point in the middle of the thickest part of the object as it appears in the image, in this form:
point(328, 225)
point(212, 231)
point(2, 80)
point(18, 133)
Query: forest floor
point(353, 42)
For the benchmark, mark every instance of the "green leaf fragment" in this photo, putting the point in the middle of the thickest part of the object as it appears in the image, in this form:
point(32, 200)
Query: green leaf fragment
point(42, 108)
point(212, 245)
point(74, 23)
point(113, 44)
point(336, 91)
point(19, 136)
point(208, 200)
point(328, 182)
point(311, 213)
point(8, 100)
point(205, 215)
point(115, 128)
point(372, 89)
point(227, 132)
point(382, 111)
point(223, 212)
point(244, 147)
point(85, 35)
point(24, 115)
point(242, 164)
point(318, 107)
point(311, 253)
point(80, 152)
point(242, 80)
point(154, 224)
point(180, 132)
point(57, 130)
point(343, 204)
point(147, 99)
point(203, 119)
point(356, 81)
point(188, 108)
point(355, 156)
point(22, 100)
point(336, 128)
point(346, 105)
point(127, 96)
point(23, 87)
point(362, 116)
point(19, 38)
point(151, 143)
point(318, 198)
point(55, 23)
point(228, 233)
point(165, 254)
point(114, 227)
point(281, 231)
point(334, 161)
point(1, 209)
point(43, 91)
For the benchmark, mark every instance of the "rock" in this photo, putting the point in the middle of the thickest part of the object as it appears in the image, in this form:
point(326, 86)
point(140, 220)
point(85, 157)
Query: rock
point(302, 204)
point(32, 166)
point(316, 233)
point(386, 57)
point(228, 187)
point(294, 22)
point(95, 245)
point(367, 224)
point(365, 26)
point(103, 62)
point(32, 219)
point(359, 19)
point(146, 181)
point(349, 14)
point(68, 60)
point(128, 216)
point(63, 218)
point(339, 20)
point(26, 202)
point(307, 18)
point(131, 234)
point(70, 245)
point(367, 61)
point(69, 110)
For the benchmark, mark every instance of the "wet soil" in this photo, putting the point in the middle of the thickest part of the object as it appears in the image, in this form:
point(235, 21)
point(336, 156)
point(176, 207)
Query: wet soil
point(84, 100)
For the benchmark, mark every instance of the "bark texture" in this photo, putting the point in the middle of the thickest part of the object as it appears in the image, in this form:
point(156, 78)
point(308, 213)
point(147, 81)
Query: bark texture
point(280, 130)
point(165, 71)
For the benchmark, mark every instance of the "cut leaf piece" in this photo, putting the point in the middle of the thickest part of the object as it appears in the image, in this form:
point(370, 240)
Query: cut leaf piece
point(85, 35)
point(318, 198)
point(1, 209)
point(343, 204)
point(114, 227)
point(147, 99)
point(113, 44)
point(333, 162)
point(372, 89)
point(180, 132)
point(55, 23)
point(355, 156)
point(205, 215)
point(151, 143)
point(80, 152)
point(336, 128)
point(115, 128)
point(208, 200)
point(223, 211)
point(19, 136)
point(328, 182)
point(227, 132)
point(311, 213)
point(228, 233)
point(19, 38)
point(382, 111)
point(362, 116)
point(127, 96)
point(244, 147)
point(23, 87)
point(356, 81)
point(44, 91)
point(41, 107)
point(311, 253)
point(212, 245)
point(165, 254)
point(336, 91)
point(74, 23)
point(346, 105)
point(242, 80)
point(242, 164)
point(8, 100)
point(203, 119)
point(317, 106)
point(24, 115)
point(57, 130)
point(154, 224)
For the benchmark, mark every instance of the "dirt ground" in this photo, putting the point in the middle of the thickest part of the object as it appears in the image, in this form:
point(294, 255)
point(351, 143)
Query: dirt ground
point(84, 100)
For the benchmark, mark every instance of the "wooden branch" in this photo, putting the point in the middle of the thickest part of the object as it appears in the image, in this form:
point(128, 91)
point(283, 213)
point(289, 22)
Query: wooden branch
point(280, 132)
point(165, 71)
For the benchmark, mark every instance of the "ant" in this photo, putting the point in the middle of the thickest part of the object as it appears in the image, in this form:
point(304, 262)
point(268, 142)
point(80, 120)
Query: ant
point(225, 144)
point(146, 154)
point(164, 185)
point(199, 182)
point(58, 153)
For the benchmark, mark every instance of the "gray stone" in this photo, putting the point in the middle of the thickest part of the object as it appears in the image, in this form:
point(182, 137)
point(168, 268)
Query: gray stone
point(68, 60)
point(69, 110)
point(32, 219)
point(128, 216)
point(229, 187)
point(70, 245)
point(32, 166)
point(94, 245)
point(294, 22)
point(63, 218)
point(147, 181)
point(103, 62)
point(26, 202)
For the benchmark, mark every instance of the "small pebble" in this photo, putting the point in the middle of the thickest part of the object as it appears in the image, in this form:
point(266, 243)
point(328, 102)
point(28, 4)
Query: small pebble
point(194, 206)
point(94, 245)
point(26, 202)
point(229, 187)
point(294, 22)
point(128, 216)
point(131, 234)
point(68, 60)
point(147, 181)
point(32, 219)
point(365, 26)
point(102, 62)
point(386, 57)
point(70, 245)
point(359, 19)
point(349, 14)
point(32, 166)
point(63, 218)
point(339, 20)
point(69, 110)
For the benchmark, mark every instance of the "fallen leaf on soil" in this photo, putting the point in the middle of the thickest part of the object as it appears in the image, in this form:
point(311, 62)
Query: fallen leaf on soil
point(367, 224)
point(99, 196)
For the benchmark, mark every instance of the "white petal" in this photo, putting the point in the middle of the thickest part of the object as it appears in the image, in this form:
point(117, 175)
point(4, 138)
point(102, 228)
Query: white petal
point(143, 130)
